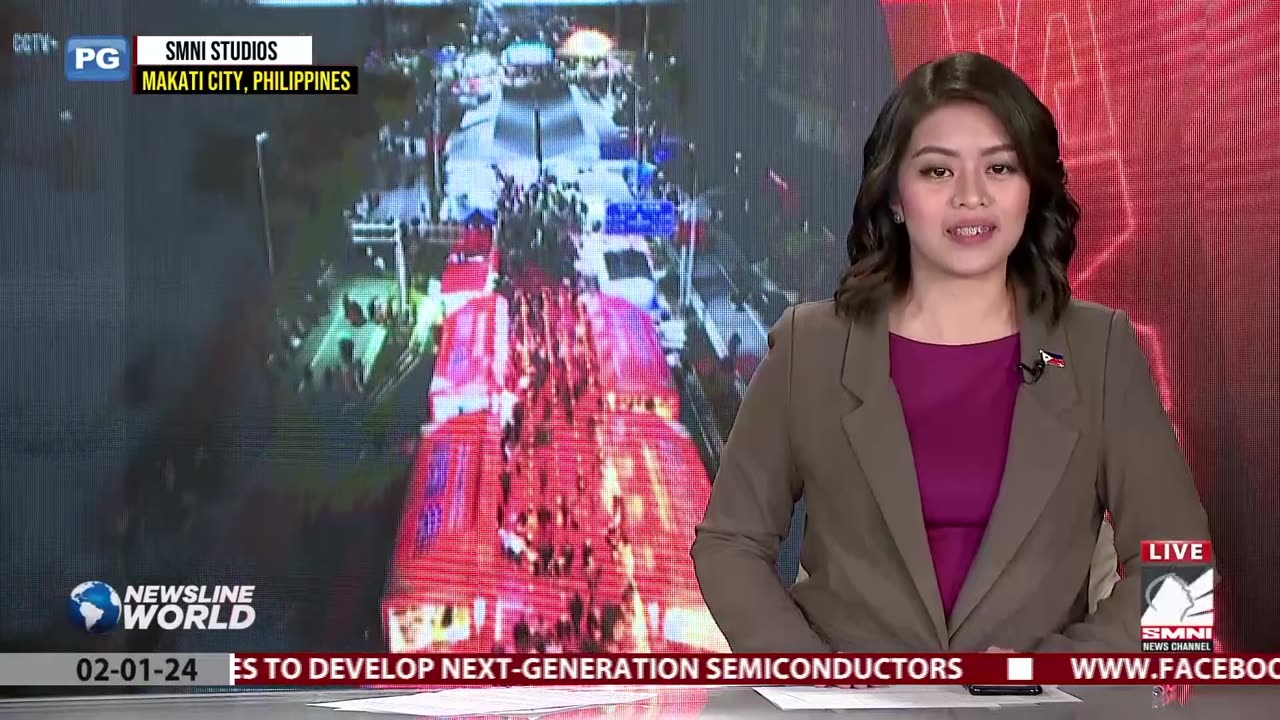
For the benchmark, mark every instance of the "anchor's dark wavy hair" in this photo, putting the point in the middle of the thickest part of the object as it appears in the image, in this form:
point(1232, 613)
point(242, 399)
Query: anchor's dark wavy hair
point(879, 251)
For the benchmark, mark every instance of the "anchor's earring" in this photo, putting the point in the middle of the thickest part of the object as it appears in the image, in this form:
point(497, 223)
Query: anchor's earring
point(897, 217)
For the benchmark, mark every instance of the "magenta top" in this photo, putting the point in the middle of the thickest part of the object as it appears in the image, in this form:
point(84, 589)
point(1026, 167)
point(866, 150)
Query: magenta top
point(958, 404)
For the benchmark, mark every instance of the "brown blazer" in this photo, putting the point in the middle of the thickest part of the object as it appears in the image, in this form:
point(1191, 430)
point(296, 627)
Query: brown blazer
point(821, 419)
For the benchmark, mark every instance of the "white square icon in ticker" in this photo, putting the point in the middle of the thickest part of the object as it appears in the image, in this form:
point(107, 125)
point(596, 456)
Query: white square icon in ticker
point(1019, 669)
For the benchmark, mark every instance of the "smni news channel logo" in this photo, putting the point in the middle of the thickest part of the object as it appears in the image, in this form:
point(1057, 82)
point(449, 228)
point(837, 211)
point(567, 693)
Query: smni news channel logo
point(97, 58)
point(1177, 597)
point(96, 607)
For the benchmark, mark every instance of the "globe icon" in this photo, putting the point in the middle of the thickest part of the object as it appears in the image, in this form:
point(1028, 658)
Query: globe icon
point(93, 607)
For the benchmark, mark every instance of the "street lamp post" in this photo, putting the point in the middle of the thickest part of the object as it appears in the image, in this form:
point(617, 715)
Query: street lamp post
point(402, 272)
point(636, 145)
point(259, 140)
point(693, 230)
point(638, 142)
point(438, 166)
point(537, 129)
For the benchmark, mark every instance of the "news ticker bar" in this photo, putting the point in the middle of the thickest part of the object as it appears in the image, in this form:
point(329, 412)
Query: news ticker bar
point(453, 670)
point(245, 80)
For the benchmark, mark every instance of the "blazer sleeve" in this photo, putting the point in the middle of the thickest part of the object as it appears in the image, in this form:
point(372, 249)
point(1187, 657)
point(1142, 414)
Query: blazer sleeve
point(1145, 483)
point(749, 515)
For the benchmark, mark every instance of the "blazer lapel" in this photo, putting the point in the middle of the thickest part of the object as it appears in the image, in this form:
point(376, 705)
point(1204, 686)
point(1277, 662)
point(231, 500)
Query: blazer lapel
point(877, 432)
point(1040, 447)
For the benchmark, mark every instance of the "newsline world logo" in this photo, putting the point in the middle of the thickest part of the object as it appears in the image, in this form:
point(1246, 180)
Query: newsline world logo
point(96, 607)
point(1177, 596)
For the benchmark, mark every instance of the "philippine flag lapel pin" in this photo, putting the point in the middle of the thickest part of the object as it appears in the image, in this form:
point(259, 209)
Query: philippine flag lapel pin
point(1053, 359)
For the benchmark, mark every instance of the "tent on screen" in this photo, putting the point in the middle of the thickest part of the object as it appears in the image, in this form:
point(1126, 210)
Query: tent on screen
point(655, 471)
point(633, 367)
point(471, 364)
point(480, 218)
point(468, 277)
point(446, 552)
point(473, 241)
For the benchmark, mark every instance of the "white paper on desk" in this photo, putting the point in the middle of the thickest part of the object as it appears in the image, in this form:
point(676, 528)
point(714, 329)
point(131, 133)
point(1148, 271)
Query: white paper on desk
point(899, 698)
point(410, 706)
point(1048, 694)
point(486, 701)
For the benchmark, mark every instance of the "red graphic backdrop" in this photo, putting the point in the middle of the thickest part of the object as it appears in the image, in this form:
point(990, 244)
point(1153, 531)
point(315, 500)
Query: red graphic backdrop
point(1170, 121)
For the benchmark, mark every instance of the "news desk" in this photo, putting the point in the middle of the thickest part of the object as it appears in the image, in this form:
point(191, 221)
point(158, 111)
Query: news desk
point(735, 703)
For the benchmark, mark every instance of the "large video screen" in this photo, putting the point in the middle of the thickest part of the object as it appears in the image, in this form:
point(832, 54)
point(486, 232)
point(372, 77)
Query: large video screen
point(447, 365)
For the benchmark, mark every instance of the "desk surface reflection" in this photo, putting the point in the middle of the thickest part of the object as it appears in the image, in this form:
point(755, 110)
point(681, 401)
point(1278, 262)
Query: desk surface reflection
point(724, 703)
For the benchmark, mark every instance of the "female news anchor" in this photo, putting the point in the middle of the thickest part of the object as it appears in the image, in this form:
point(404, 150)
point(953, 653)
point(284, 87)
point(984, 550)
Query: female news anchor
point(955, 422)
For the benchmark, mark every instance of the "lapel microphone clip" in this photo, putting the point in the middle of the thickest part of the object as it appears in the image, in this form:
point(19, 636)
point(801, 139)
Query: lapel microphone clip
point(1031, 373)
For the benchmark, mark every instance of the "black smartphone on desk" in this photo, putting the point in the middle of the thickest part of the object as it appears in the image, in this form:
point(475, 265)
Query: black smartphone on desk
point(1022, 690)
